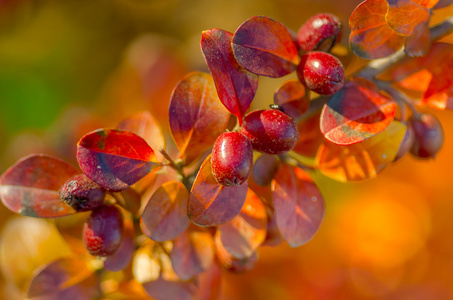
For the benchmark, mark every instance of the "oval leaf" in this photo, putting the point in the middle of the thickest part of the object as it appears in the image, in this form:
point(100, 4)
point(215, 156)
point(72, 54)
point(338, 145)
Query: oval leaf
point(114, 158)
point(371, 37)
point(66, 278)
point(265, 47)
point(192, 253)
point(197, 117)
point(404, 15)
point(30, 187)
point(235, 86)
point(247, 231)
point(165, 215)
point(419, 42)
point(357, 112)
point(230, 263)
point(363, 160)
point(264, 169)
point(290, 96)
point(299, 205)
point(212, 204)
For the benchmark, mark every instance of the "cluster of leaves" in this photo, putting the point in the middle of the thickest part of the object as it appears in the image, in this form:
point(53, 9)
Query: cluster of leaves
point(176, 235)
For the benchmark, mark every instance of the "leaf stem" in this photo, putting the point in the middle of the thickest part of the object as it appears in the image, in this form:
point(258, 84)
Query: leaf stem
point(177, 167)
point(398, 96)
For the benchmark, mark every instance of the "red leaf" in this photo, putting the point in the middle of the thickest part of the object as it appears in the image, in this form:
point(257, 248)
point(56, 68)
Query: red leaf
point(273, 236)
point(371, 37)
point(163, 289)
point(123, 256)
point(66, 278)
point(212, 204)
point(210, 283)
point(30, 187)
point(115, 159)
point(264, 169)
point(443, 3)
point(419, 42)
point(146, 126)
point(246, 232)
point(230, 263)
point(165, 215)
point(404, 15)
point(265, 47)
point(291, 97)
point(357, 112)
point(192, 253)
point(197, 117)
point(235, 86)
point(299, 205)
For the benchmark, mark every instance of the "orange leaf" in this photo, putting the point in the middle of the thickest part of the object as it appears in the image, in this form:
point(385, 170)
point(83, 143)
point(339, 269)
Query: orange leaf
point(212, 204)
point(404, 15)
point(363, 160)
point(371, 37)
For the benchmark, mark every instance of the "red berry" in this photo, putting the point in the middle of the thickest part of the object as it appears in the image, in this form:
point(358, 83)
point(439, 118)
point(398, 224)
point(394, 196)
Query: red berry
point(320, 32)
point(232, 158)
point(271, 131)
point(321, 72)
point(82, 193)
point(103, 231)
point(428, 135)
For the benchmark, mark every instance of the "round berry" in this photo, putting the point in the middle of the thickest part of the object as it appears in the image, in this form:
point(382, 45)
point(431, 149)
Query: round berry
point(232, 158)
point(428, 135)
point(321, 72)
point(320, 32)
point(103, 231)
point(406, 143)
point(82, 193)
point(270, 131)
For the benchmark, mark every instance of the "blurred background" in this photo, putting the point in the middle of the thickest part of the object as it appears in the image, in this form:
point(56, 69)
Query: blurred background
point(68, 67)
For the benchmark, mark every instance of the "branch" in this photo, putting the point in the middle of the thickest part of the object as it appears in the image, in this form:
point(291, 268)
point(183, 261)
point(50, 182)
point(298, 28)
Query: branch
point(377, 66)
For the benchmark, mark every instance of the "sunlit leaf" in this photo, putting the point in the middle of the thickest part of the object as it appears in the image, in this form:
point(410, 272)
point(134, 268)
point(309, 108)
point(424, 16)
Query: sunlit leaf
point(209, 284)
point(371, 37)
point(197, 117)
point(122, 257)
point(245, 233)
point(165, 215)
point(146, 126)
point(404, 15)
point(115, 159)
point(419, 42)
point(26, 244)
point(357, 112)
point(310, 135)
point(192, 254)
point(236, 87)
point(290, 96)
point(230, 263)
point(265, 47)
point(299, 205)
point(30, 187)
point(363, 160)
point(212, 204)
point(66, 278)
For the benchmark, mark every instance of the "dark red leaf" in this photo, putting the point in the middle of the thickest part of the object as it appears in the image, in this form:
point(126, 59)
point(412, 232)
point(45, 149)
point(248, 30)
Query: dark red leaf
point(114, 158)
point(290, 96)
point(371, 37)
point(299, 205)
point(66, 278)
point(192, 253)
point(165, 215)
point(235, 86)
point(30, 187)
point(443, 3)
point(265, 47)
point(230, 263)
point(197, 117)
point(162, 289)
point(212, 204)
point(357, 112)
point(244, 234)
point(264, 169)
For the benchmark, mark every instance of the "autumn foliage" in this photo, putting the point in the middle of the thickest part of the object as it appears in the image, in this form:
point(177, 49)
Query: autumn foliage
point(174, 220)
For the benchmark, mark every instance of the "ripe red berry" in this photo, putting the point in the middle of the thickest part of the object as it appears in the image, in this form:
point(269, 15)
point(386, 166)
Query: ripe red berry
point(321, 72)
point(232, 158)
point(428, 135)
point(103, 231)
point(82, 193)
point(270, 130)
point(320, 32)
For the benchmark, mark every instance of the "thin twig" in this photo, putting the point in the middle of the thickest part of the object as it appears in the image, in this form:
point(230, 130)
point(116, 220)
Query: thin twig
point(399, 96)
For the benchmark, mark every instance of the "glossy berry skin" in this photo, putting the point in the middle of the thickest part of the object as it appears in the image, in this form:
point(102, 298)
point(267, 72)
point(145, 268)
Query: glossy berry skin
point(321, 72)
point(103, 231)
point(428, 135)
point(270, 131)
point(232, 158)
point(321, 32)
point(82, 193)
